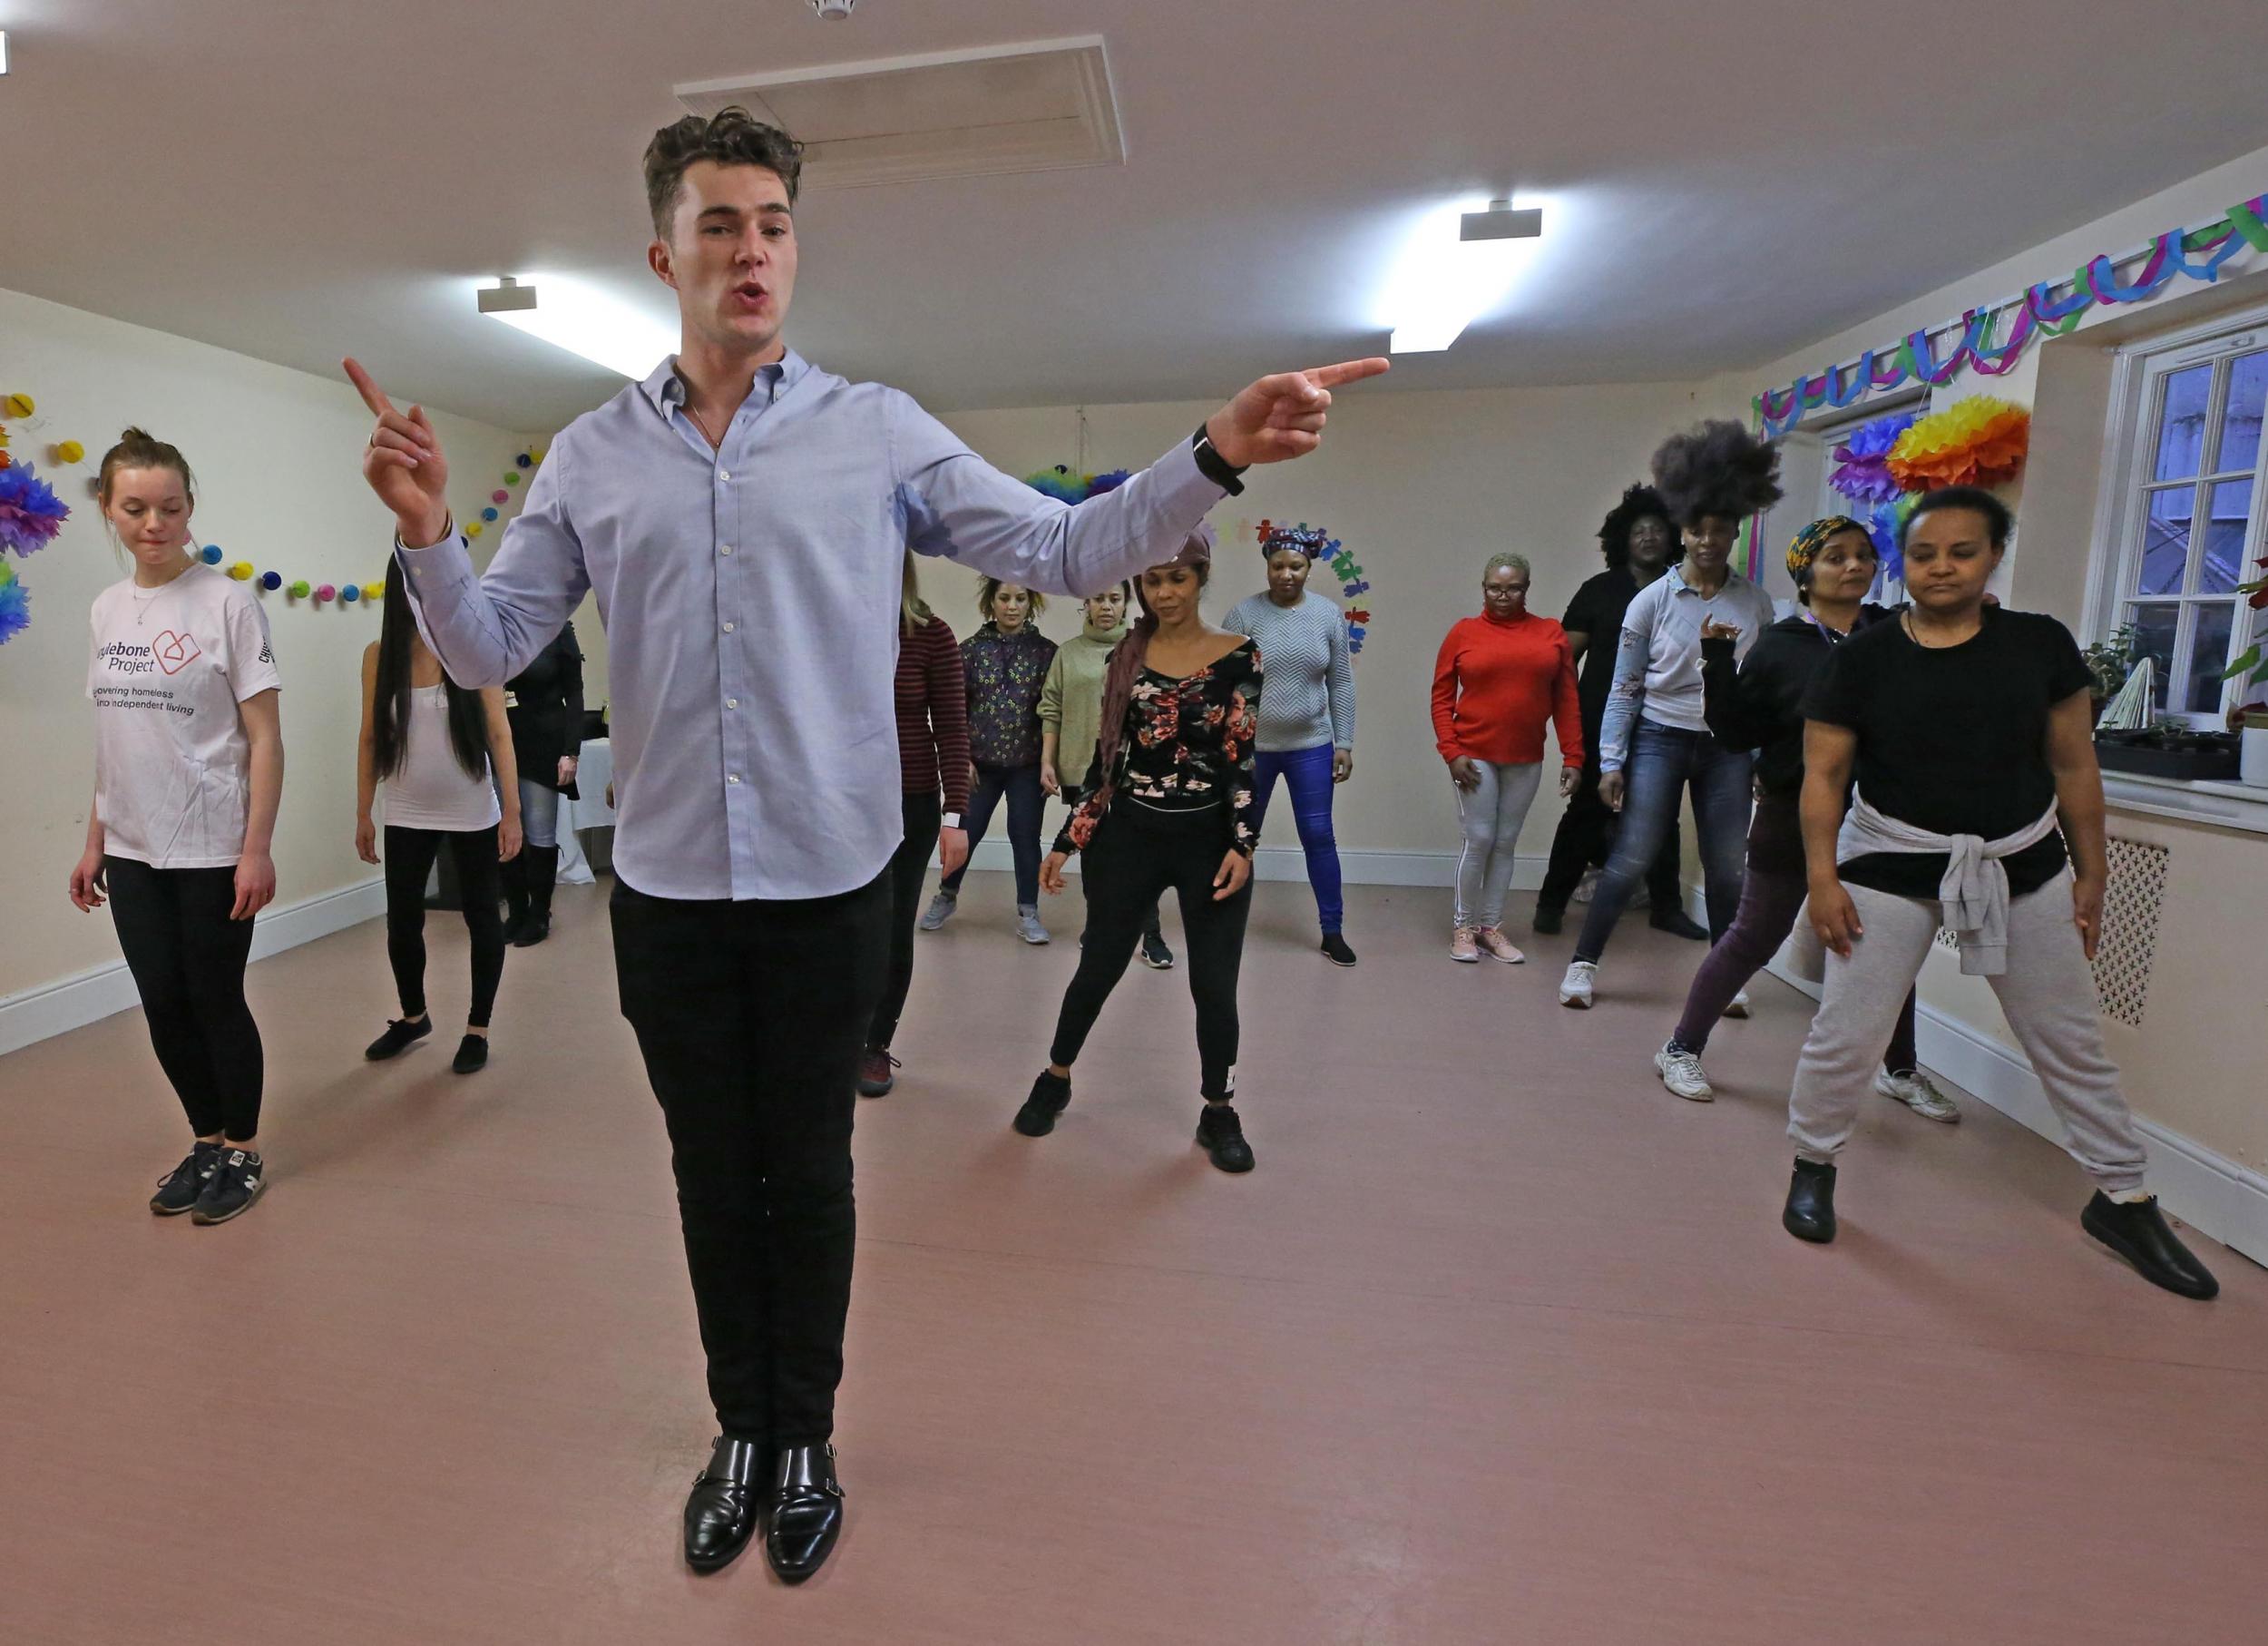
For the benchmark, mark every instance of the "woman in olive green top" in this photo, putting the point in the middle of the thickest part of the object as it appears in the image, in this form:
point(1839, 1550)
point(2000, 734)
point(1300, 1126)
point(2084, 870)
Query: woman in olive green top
point(1070, 723)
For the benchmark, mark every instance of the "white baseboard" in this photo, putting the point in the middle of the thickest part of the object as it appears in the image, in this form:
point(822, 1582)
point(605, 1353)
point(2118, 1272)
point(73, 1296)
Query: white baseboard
point(72, 1002)
point(2210, 1192)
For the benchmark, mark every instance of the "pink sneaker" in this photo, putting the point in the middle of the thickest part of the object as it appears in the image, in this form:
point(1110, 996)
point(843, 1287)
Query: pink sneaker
point(1464, 946)
point(1498, 947)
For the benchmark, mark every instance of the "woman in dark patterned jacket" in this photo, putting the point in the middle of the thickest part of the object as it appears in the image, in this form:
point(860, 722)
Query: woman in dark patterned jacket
point(1168, 803)
point(1005, 662)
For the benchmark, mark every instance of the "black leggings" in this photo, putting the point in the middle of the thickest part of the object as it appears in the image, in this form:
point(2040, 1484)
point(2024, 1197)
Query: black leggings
point(409, 856)
point(909, 866)
point(187, 958)
point(1126, 867)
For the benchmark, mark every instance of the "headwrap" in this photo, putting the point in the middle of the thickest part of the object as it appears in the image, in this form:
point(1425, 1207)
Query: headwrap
point(1813, 538)
point(1126, 662)
point(1308, 540)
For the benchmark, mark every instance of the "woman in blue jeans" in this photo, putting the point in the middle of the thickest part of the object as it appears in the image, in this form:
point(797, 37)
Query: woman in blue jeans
point(1308, 718)
point(1005, 663)
point(1655, 742)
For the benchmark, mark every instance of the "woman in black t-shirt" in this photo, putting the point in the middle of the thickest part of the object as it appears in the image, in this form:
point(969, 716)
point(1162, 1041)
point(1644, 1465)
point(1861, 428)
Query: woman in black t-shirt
point(1970, 731)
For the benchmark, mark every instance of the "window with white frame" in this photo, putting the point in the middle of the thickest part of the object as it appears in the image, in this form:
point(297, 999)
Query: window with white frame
point(2190, 518)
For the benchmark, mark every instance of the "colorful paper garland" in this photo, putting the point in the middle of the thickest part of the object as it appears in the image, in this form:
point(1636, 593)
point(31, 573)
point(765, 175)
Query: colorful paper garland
point(2039, 312)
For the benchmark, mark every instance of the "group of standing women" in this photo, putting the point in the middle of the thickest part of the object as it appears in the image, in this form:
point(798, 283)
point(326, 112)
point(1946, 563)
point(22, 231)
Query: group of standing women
point(189, 778)
point(1927, 767)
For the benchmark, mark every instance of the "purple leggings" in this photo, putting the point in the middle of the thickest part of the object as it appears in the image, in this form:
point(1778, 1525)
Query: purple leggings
point(1772, 893)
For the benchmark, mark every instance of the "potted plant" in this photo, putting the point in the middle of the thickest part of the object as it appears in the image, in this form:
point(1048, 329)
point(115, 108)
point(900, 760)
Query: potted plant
point(2110, 661)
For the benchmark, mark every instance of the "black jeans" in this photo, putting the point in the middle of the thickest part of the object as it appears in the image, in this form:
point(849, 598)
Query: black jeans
point(1020, 785)
point(1151, 926)
point(1586, 835)
point(1126, 867)
point(187, 958)
point(909, 866)
point(409, 855)
point(751, 1016)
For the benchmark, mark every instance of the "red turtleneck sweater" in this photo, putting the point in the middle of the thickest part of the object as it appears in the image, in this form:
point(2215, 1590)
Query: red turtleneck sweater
point(1495, 684)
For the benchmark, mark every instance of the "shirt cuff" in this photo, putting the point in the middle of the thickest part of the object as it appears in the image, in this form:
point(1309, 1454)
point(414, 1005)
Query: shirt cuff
point(437, 570)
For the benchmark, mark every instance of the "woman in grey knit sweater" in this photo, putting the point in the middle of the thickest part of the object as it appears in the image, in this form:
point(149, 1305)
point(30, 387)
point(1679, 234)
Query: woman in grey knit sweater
point(1307, 714)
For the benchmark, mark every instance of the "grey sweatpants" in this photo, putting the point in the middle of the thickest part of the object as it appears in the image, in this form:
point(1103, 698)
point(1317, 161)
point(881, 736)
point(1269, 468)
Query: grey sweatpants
point(1489, 815)
point(2048, 995)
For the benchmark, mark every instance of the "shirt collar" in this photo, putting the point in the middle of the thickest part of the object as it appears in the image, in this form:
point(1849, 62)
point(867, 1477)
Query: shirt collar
point(666, 390)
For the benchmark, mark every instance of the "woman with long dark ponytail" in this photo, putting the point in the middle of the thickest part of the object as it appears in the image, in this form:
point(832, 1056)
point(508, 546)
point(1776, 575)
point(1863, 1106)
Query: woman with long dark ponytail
point(432, 742)
point(1168, 803)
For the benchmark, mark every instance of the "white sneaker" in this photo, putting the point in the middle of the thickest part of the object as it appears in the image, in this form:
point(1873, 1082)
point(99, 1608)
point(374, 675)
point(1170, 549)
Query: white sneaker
point(1916, 1092)
point(1028, 925)
point(1738, 1006)
point(1575, 987)
point(1681, 1072)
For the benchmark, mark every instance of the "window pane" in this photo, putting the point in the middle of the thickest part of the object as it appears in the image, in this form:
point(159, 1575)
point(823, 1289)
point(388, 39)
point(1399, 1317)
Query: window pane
point(2248, 397)
point(2154, 627)
point(2230, 513)
point(2181, 430)
point(2165, 540)
point(2208, 655)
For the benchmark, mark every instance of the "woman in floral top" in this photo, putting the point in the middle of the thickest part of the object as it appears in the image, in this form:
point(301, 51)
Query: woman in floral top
point(1168, 803)
point(1005, 662)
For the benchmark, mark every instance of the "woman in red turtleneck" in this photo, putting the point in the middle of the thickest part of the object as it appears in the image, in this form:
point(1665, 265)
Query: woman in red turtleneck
point(1498, 678)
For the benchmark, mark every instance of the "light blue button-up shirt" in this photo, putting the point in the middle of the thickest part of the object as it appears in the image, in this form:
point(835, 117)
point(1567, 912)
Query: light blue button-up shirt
point(750, 597)
point(1657, 663)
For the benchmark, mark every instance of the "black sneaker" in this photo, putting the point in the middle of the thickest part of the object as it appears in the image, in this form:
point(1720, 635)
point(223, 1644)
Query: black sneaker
point(399, 1034)
point(1679, 924)
point(1335, 951)
point(1050, 1097)
point(1810, 1214)
point(1156, 956)
point(234, 1186)
point(1548, 919)
point(1223, 1135)
point(178, 1190)
point(2136, 1232)
point(471, 1054)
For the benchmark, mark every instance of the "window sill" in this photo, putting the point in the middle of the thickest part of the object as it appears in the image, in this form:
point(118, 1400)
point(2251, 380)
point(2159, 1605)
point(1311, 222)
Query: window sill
point(2240, 806)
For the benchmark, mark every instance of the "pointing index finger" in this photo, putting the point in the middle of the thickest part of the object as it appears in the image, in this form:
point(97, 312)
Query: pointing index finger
point(372, 395)
point(1348, 371)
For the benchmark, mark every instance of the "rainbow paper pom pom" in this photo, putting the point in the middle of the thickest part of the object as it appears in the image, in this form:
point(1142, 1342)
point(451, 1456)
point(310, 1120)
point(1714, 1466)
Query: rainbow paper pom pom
point(1980, 441)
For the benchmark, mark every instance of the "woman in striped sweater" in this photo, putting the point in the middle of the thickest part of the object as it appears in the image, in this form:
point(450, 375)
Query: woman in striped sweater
point(932, 710)
point(1308, 718)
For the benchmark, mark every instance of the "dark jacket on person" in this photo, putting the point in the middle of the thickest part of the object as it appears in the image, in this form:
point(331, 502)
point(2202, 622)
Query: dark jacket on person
point(1758, 703)
point(544, 706)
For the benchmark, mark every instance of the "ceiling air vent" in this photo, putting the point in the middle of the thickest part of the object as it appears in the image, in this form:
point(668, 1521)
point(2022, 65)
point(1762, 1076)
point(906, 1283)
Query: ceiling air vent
point(1045, 106)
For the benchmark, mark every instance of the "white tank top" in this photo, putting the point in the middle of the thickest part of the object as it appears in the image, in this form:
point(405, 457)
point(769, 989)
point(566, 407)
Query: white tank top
point(432, 791)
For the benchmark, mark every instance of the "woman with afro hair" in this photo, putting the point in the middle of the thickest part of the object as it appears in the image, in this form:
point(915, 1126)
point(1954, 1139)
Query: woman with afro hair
point(1655, 741)
point(1639, 544)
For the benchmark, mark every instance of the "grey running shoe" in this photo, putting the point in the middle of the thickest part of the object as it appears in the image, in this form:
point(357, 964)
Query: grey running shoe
point(940, 910)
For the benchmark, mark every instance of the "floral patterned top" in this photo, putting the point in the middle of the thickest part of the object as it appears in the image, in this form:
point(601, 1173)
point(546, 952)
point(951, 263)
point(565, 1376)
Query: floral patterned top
point(1184, 754)
point(1004, 675)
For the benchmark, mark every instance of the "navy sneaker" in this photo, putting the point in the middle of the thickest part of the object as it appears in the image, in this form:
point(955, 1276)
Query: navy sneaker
point(235, 1185)
point(178, 1190)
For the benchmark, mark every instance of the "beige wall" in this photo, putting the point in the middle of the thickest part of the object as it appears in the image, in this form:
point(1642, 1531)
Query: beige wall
point(1422, 488)
point(275, 453)
point(2191, 1066)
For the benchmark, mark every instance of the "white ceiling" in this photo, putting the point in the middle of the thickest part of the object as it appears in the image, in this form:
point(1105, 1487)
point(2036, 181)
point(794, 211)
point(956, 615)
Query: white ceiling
point(296, 181)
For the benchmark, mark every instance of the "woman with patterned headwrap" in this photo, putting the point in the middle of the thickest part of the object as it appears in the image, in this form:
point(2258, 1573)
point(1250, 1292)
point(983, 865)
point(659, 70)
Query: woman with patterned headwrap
point(1759, 705)
point(1167, 803)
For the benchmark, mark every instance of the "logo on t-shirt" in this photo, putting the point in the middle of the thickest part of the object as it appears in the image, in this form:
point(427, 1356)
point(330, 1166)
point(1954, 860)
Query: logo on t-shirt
point(175, 653)
point(267, 652)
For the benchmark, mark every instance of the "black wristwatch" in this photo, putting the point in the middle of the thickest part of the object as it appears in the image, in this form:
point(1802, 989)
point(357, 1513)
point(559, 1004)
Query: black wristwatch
point(1213, 466)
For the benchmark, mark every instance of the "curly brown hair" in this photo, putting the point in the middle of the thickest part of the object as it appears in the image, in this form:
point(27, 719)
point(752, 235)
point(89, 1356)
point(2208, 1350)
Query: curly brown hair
point(732, 137)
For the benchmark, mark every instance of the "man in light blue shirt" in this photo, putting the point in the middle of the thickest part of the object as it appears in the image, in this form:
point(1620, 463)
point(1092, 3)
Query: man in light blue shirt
point(742, 517)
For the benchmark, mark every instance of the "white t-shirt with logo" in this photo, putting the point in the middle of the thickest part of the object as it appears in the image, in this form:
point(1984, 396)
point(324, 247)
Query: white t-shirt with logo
point(173, 766)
